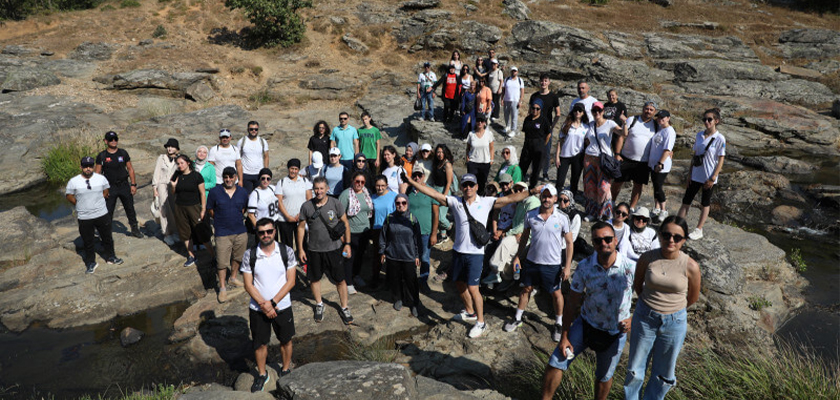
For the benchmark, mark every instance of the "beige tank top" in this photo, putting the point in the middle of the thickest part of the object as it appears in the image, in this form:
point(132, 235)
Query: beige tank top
point(666, 283)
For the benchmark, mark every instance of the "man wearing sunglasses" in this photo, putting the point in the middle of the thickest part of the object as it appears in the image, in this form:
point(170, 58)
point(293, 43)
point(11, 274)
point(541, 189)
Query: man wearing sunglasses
point(346, 138)
point(115, 164)
point(253, 151)
point(88, 191)
point(468, 256)
point(602, 289)
point(227, 204)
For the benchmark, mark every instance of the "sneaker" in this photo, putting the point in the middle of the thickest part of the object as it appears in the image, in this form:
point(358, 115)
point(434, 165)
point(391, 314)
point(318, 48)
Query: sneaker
point(557, 334)
point(589, 218)
point(513, 325)
point(346, 317)
point(359, 282)
point(91, 267)
point(466, 317)
point(351, 289)
point(477, 330)
point(190, 261)
point(663, 214)
point(697, 234)
point(415, 312)
point(285, 372)
point(443, 237)
point(135, 231)
point(114, 261)
point(319, 312)
point(259, 383)
point(492, 279)
point(222, 296)
point(398, 305)
point(440, 277)
point(169, 240)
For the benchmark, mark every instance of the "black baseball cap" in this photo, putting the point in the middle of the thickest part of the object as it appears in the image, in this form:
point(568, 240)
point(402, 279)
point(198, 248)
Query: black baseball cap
point(111, 135)
point(87, 161)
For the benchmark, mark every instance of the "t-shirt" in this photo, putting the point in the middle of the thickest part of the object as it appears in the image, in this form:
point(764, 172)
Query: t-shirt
point(319, 235)
point(252, 154)
point(90, 202)
point(294, 194)
point(573, 144)
point(367, 142)
point(587, 105)
point(480, 147)
point(637, 143)
point(550, 103)
point(335, 179)
point(710, 158)
point(113, 165)
point(513, 89)
point(344, 141)
point(319, 144)
point(451, 87)
point(187, 192)
point(536, 130)
point(359, 222)
point(506, 214)
point(479, 209)
point(382, 206)
point(613, 111)
point(641, 242)
point(228, 210)
point(661, 141)
point(269, 274)
point(604, 137)
point(223, 157)
point(495, 79)
point(547, 237)
point(426, 80)
point(421, 206)
point(466, 82)
point(394, 178)
point(263, 203)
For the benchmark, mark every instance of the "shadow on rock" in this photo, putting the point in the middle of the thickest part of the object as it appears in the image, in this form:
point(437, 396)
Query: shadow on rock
point(230, 336)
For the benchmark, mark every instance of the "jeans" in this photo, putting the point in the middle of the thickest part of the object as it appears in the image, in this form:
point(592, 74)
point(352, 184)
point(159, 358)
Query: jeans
point(425, 251)
point(428, 102)
point(655, 337)
point(576, 163)
point(658, 180)
point(605, 361)
point(86, 231)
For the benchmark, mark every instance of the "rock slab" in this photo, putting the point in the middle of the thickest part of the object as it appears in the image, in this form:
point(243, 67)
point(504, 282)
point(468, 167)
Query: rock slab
point(349, 380)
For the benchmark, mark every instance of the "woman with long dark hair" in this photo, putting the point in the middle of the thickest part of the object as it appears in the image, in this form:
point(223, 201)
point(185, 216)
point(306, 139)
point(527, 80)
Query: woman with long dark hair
point(392, 169)
point(358, 205)
point(480, 152)
point(320, 139)
point(190, 202)
point(596, 183)
point(570, 147)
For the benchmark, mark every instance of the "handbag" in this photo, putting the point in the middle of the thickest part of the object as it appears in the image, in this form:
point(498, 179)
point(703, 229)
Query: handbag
point(596, 339)
point(155, 207)
point(478, 231)
point(697, 159)
point(337, 231)
point(418, 105)
point(610, 166)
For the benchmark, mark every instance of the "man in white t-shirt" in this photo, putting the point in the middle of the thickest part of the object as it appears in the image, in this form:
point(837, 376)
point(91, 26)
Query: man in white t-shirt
point(548, 260)
point(468, 254)
point(514, 91)
point(253, 151)
point(495, 79)
point(585, 98)
point(87, 192)
point(426, 93)
point(633, 150)
point(225, 155)
point(269, 277)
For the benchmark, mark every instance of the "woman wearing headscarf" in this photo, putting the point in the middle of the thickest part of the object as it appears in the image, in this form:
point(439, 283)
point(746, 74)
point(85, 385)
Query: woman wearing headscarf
point(411, 150)
point(206, 169)
point(358, 205)
point(164, 168)
point(566, 203)
point(510, 165)
point(399, 248)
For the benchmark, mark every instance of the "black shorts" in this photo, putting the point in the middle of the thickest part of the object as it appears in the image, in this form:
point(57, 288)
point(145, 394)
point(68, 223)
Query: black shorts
point(693, 188)
point(283, 323)
point(328, 262)
point(637, 171)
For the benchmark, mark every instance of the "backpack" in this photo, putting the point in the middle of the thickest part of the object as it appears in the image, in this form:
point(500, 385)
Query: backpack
point(241, 144)
point(636, 118)
point(253, 260)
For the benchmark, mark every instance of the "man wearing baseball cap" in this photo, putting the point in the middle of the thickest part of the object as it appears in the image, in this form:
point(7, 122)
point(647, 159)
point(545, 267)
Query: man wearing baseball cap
point(468, 255)
point(115, 164)
point(88, 191)
point(227, 204)
point(632, 149)
point(225, 155)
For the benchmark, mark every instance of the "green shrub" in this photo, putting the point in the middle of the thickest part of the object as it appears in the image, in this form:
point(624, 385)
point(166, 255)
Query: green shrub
point(62, 159)
point(276, 22)
point(759, 302)
point(107, 7)
point(129, 4)
point(160, 31)
point(797, 260)
point(20, 9)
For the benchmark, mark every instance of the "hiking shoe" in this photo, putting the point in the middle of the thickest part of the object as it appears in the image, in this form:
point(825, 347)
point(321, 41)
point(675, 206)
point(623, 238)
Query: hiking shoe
point(135, 231)
point(415, 312)
point(589, 218)
point(398, 305)
point(663, 214)
point(477, 330)
point(285, 372)
point(697, 234)
point(513, 325)
point(114, 260)
point(190, 261)
point(235, 282)
point(222, 296)
point(169, 240)
point(319, 312)
point(346, 317)
point(557, 334)
point(259, 383)
point(351, 289)
point(466, 317)
point(91, 267)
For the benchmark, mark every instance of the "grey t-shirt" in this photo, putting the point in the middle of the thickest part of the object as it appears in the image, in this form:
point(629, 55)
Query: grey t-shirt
point(319, 236)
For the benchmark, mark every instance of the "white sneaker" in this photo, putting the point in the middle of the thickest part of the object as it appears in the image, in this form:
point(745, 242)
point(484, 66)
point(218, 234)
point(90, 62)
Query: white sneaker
point(697, 234)
point(351, 289)
point(477, 330)
point(663, 214)
point(463, 316)
point(507, 130)
point(589, 218)
point(655, 212)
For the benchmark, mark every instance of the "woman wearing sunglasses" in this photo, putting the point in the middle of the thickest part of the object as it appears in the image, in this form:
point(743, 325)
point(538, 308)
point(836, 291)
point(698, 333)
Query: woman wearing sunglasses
point(596, 183)
point(620, 223)
point(537, 130)
point(399, 250)
point(358, 205)
point(510, 165)
point(667, 282)
point(642, 237)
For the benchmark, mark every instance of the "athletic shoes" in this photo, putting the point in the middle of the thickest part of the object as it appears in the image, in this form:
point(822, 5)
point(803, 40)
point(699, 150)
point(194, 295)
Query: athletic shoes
point(466, 317)
point(398, 305)
point(169, 240)
point(259, 383)
point(557, 334)
point(346, 317)
point(190, 261)
point(351, 289)
point(222, 296)
point(285, 372)
point(135, 231)
point(91, 267)
point(414, 312)
point(492, 279)
point(513, 325)
point(697, 234)
point(477, 330)
point(663, 214)
point(114, 260)
point(319, 312)
point(589, 218)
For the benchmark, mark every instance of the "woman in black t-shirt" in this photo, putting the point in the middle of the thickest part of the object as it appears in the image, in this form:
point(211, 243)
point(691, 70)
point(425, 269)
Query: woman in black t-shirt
point(320, 139)
point(537, 130)
point(190, 202)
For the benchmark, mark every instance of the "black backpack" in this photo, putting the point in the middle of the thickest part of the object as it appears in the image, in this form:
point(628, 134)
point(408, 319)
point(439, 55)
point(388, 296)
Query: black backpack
point(253, 260)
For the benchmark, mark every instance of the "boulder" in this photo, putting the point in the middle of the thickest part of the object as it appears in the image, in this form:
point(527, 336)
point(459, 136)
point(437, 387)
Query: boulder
point(516, 10)
point(354, 44)
point(153, 79)
point(779, 164)
point(421, 131)
point(792, 91)
point(719, 273)
point(717, 70)
point(325, 87)
point(835, 108)
point(810, 43)
point(189, 128)
point(420, 4)
point(200, 91)
point(799, 72)
point(625, 45)
point(824, 66)
point(17, 50)
point(22, 79)
point(787, 215)
point(353, 379)
point(89, 51)
point(533, 40)
point(743, 195)
point(70, 68)
point(226, 395)
point(24, 236)
point(433, 29)
point(390, 111)
point(673, 46)
point(129, 336)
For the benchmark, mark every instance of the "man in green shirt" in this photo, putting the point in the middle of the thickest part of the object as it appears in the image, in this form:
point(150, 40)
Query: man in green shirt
point(426, 210)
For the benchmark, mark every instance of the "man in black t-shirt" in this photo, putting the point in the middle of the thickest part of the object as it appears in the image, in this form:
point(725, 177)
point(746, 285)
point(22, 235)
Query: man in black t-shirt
point(115, 164)
point(551, 111)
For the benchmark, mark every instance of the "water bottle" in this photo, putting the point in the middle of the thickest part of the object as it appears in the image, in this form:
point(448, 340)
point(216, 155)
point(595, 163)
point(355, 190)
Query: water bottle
point(569, 353)
point(344, 254)
point(516, 271)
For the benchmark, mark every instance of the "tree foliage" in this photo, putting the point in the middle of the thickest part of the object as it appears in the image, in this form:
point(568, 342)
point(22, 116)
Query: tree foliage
point(20, 9)
point(276, 22)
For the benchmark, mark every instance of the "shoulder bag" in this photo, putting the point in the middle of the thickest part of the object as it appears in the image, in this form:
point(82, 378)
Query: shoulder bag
point(478, 231)
point(697, 159)
point(610, 166)
point(337, 231)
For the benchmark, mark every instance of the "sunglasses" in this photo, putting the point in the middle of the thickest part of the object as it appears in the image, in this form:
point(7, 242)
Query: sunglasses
point(113, 140)
point(425, 151)
point(333, 155)
point(253, 129)
point(265, 178)
point(361, 160)
point(621, 213)
point(266, 232)
point(401, 203)
point(536, 108)
point(668, 236)
point(506, 152)
point(708, 119)
point(564, 201)
point(468, 184)
point(643, 219)
point(343, 119)
point(605, 239)
point(597, 110)
point(577, 110)
point(88, 183)
point(362, 181)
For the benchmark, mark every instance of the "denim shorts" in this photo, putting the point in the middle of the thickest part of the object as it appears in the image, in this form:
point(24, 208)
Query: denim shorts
point(467, 267)
point(548, 276)
point(605, 361)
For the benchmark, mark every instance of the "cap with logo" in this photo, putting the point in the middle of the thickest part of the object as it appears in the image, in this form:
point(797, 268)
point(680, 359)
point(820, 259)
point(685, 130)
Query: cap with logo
point(111, 135)
point(468, 178)
point(224, 133)
point(87, 161)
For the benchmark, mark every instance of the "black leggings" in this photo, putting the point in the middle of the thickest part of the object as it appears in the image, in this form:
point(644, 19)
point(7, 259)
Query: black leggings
point(481, 172)
point(658, 179)
point(693, 188)
point(402, 279)
point(576, 163)
point(358, 246)
point(533, 160)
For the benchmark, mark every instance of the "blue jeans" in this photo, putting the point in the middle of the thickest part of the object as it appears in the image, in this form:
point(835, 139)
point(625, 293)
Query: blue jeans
point(425, 250)
point(605, 361)
point(427, 100)
point(659, 338)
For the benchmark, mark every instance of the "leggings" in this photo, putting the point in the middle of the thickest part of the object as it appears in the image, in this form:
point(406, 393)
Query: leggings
point(533, 160)
point(658, 179)
point(481, 172)
point(358, 246)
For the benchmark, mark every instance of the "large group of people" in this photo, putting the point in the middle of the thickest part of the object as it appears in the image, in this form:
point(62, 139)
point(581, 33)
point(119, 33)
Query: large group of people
point(355, 196)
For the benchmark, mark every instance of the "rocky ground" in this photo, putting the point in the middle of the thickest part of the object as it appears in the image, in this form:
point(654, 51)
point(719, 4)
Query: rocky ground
point(774, 72)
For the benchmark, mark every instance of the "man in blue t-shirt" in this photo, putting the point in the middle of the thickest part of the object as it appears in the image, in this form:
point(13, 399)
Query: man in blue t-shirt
point(346, 138)
point(227, 205)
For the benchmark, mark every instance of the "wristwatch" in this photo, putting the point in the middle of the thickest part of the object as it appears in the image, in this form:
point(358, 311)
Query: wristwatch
point(133, 184)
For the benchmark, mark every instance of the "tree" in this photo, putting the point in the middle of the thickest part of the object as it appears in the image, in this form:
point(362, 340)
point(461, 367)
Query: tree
point(276, 22)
